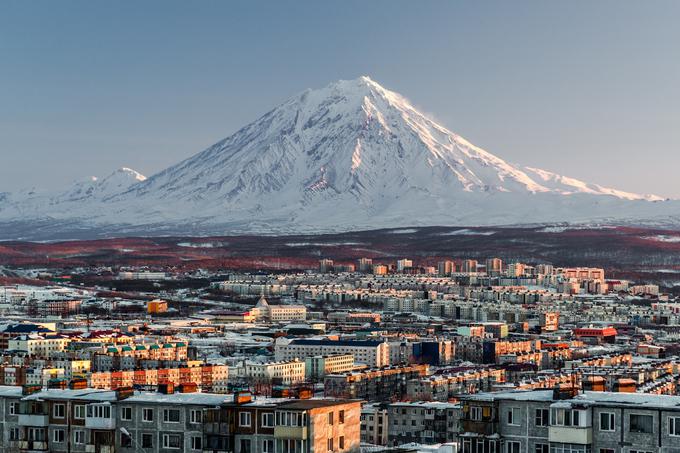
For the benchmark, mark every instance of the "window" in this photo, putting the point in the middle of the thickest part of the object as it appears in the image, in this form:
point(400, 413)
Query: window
point(542, 417)
point(99, 411)
point(330, 444)
point(674, 426)
point(607, 450)
point(197, 442)
point(58, 435)
point(172, 441)
point(196, 416)
point(147, 440)
point(36, 434)
point(330, 418)
point(567, 417)
point(245, 445)
point(476, 413)
point(244, 419)
point(640, 423)
point(341, 442)
point(126, 413)
point(267, 420)
point(514, 416)
point(512, 447)
point(607, 421)
point(268, 446)
point(147, 414)
point(639, 451)
point(59, 411)
point(79, 411)
point(542, 448)
point(79, 437)
point(171, 415)
point(13, 408)
point(341, 417)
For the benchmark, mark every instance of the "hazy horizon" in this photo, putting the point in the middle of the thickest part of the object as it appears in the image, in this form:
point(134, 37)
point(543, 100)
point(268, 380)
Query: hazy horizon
point(585, 90)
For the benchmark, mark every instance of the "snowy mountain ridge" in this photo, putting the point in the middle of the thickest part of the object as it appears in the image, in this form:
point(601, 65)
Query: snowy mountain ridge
point(352, 155)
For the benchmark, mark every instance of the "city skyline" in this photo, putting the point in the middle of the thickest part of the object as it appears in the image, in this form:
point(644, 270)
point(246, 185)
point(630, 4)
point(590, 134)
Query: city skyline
point(584, 90)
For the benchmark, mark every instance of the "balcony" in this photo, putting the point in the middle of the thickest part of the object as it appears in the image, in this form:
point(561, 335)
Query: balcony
point(100, 423)
point(581, 435)
point(99, 448)
point(290, 432)
point(30, 446)
point(42, 420)
point(484, 427)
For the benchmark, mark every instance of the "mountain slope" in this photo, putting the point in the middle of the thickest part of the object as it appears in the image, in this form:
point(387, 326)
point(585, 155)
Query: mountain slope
point(348, 156)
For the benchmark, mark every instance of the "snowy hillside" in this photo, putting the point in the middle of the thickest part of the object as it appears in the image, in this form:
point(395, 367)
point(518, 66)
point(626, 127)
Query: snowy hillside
point(352, 155)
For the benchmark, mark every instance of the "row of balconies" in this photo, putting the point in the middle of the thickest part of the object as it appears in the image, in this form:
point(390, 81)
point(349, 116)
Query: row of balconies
point(42, 446)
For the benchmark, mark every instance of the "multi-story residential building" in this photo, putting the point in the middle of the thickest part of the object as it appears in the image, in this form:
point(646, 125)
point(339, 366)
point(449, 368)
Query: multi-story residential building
point(130, 422)
point(286, 373)
point(325, 265)
point(208, 377)
point(354, 317)
point(374, 424)
point(380, 269)
point(266, 426)
point(494, 266)
point(365, 265)
point(446, 268)
point(565, 420)
point(73, 368)
point(422, 422)
point(450, 384)
point(42, 346)
point(317, 367)
point(404, 264)
point(469, 266)
point(369, 352)
point(382, 384)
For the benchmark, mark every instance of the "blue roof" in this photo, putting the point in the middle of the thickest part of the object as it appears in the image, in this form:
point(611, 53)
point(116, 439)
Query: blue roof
point(26, 328)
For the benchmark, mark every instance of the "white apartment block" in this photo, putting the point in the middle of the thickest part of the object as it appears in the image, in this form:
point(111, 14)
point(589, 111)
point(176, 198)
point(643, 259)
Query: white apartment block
point(375, 354)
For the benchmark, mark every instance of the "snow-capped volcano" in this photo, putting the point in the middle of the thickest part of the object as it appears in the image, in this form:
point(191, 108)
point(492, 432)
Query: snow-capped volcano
point(348, 156)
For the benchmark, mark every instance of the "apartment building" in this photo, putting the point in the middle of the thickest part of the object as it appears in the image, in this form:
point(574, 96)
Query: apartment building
point(374, 424)
point(369, 352)
point(42, 346)
point(288, 426)
point(286, 373)
point(565, 420)
point(448, 385)
point(422, 422)
point(208, 377)
point(317, 367)
point(380, 384)
point(100, 421)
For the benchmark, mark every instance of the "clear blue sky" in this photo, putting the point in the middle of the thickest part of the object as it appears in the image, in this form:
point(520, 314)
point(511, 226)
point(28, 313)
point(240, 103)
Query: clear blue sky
point(588, 89)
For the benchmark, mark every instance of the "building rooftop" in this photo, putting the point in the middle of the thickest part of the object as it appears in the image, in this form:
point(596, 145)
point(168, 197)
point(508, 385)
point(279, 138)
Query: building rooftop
point(84, 394)
point(646, 400)
point(326, 342)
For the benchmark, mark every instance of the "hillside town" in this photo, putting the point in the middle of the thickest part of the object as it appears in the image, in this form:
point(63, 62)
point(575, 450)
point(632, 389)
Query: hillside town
point(391, 356)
